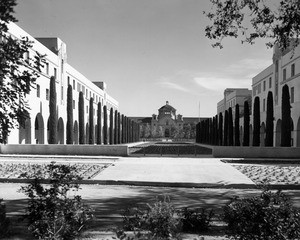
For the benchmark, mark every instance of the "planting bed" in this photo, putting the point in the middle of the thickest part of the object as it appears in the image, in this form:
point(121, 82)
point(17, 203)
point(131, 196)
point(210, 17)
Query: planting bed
point(170, 148)
point(16, 170)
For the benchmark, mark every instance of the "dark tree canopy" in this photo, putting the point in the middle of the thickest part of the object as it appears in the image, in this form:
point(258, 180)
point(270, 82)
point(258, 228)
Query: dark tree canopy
point(246, 136)
point(70, 115)
point(52, 110)
point(91, 121)
point(226, 129)
point(269, 121)
point(256, 122)
point(99, 123)
point(230, 127)
point(276, 21)
point(81, 118)
point(286, 117)
point(220, 129)
point(105, 140)
point(17, 75)
point(237, 126)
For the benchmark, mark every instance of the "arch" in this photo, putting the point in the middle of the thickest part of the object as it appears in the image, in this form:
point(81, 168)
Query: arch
point(262, 134)
point(60, 131)
point(167, 133)
point(278, 133)
point(25, 132)
point(75, 135)
point(87, 133)
point(39, 129)
point(298, 133)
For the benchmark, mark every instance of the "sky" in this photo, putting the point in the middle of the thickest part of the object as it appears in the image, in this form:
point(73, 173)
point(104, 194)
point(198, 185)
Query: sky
point(147, 51)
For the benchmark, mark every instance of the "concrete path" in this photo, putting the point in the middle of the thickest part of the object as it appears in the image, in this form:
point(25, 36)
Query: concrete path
point(184, 172)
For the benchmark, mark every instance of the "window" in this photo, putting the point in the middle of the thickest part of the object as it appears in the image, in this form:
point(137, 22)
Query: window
point(47, 94)
point(78, 87)
point(264, 86)
point(74, 104)
point(284, 74)
point(292, 94)
point(86, 93)
point(26, 56)
point(68, 80)
point(293, 70)
point(264, 105)
point(38, 94)
point(47, 68)
point(74, 84)
point(83, 90)
point(270, 82)
point(87, 109)
point(259, 88)
point(62, 93)
point(55, 72)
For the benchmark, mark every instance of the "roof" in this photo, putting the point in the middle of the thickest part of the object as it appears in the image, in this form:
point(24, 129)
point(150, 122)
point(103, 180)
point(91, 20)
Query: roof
point(167, 107)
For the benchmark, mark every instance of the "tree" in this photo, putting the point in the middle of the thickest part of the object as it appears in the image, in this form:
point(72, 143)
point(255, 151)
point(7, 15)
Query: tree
point(220, 129)
point(119, 128)
point(81, 118)
point(286, 117)
point(105, 140)
point(91, 122)
point(123, 126)
point(111, 126)
point(269, 121)
point(256, 122)
point(237, 126)
point(52, 111)
point(70, 115)
point(99, 124)
point(279, 22)
point(246, 137)
point(226, 129)
point(230, 127)
point(17, 75)
point(116, 128)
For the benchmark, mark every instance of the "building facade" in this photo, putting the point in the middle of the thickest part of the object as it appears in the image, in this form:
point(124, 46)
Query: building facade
point(167, 124)
point(35, 130)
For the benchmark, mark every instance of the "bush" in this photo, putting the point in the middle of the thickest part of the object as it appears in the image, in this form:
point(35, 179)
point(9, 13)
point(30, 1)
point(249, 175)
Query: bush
point(196, 220)
point(4, 221)
point(51, 213)
point(268, 216)
point(160, 220)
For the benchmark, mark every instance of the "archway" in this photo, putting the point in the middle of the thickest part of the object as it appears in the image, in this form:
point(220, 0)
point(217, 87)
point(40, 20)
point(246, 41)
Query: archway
point(167, 133)
point(75, 135)
point(25, 132)
point(39, 129)
point(298, 133)
point(278, 133)
point(262, 134)
point(60, 131)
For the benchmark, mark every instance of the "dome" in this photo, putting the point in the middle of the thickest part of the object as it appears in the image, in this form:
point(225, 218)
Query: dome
point(167, 108)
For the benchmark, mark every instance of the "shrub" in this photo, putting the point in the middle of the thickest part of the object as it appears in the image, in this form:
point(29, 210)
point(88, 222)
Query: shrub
point(91, 121)
point(105, 140)
point(4, 221)
point(111, 126)
point(230, 127)
point(269, 121)
point(286, 126)
point(256, 122)
point(196, 220)
point(246, 138)
point(99, 124)
point(52, 110)
point(237, 126)
point(81, 118)
point(51, 213)
point(69, 127)
point(268, 216)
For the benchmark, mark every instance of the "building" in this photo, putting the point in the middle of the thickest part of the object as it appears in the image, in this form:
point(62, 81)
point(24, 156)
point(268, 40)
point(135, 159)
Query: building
point(35, 130)
point(284, 70)
point(167, 124)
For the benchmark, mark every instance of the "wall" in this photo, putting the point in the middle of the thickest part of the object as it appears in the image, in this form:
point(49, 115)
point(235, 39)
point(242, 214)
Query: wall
point(92, 150)
point(256, 152)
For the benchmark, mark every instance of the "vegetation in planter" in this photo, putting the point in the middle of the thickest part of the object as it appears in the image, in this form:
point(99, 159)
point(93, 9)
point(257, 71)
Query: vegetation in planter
point(269, 120)
point(91, 122)
point(256, 122)
point(70, 115)
point(53, 213)
point(230, 127)
point(268, 216)
point(237, 126)
point(105, 140)
point(226, 129)
point(246, 138)
point(81, 118)
point(99, 124)
point(286, 117)
point(220, 129)
point(4, 221)
point(52, 110)
point(111, 126)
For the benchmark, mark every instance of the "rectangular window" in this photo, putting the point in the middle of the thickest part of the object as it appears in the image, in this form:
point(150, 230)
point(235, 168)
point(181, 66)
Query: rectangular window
point(83, 90)
point(74, 104)
point(68, 80)
point(38, 93)
point(26, 56)
point(47, 94)
point(86, 95)
point(292, 94)
point(87, 109)
point(264, 105)
point(270, 82)
point(293, 70)
point(47, 68)
point(78, 87)
point(62, 93)
point(55, 73)
point(264, 85)
point(284, 75)
point(259, 88)
point(73, 84)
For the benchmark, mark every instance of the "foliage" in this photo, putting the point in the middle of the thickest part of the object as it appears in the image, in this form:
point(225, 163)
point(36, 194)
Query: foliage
point(116, 127)
point(4, 221)
point(105, 140)
point(52, 110)
point(51, 213)
point(111, 126)
point(230, 127)
point(246, 135)
point(237, 126)
point(286, 117)
point(69, 129)
point(268, 216)
point(256, 122)
point(195, 220)
point(220, 129)
point(159, 219)
point(226, 128)
point(119, 128)
point(279, 22)
point(269, 121)
point(99, 124)
point(91, 122)
point(17, 75)
point(81, 118)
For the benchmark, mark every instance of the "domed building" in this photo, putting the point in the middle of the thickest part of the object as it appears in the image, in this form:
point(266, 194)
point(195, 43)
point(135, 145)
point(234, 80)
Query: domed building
point(167, 124)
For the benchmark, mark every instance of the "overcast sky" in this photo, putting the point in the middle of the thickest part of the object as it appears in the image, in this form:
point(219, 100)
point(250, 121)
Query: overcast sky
point(147, 51)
